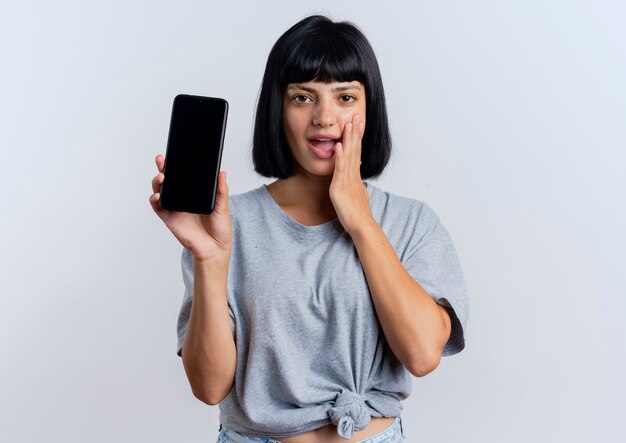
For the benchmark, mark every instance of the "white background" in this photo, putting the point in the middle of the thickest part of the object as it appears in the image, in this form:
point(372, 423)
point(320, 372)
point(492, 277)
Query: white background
point(508, 118)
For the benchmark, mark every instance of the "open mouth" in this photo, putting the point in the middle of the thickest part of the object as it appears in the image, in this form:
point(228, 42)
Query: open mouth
point(323, 143)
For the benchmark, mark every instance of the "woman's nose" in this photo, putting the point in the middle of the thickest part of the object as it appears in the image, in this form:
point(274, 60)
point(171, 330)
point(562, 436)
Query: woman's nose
point(323, 115)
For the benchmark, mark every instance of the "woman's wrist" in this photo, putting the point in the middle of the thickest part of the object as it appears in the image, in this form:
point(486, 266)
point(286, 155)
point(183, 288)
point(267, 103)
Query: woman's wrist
point(213, 261)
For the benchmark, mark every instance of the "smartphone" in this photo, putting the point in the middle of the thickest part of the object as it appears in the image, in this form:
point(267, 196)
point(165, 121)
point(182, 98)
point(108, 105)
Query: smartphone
point(194, 153)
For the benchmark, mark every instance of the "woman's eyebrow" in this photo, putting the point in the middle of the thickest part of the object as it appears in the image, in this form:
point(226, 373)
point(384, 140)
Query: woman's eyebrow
point(345, 88)
point(308, 89)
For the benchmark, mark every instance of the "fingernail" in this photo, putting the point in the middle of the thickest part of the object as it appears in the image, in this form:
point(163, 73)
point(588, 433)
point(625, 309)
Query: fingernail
point(349, 127)
point(357, 118)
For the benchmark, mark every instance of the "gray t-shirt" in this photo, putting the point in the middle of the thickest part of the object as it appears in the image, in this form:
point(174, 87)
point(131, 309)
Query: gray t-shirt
point(310, 348)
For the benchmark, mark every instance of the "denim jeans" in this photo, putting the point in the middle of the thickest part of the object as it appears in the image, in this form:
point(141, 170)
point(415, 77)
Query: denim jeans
point(393, 434)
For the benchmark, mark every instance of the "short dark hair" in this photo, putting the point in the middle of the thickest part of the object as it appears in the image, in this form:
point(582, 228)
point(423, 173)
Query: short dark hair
point(318, 49)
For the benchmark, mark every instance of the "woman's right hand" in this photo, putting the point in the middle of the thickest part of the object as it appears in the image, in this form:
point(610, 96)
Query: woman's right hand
point(207, 236)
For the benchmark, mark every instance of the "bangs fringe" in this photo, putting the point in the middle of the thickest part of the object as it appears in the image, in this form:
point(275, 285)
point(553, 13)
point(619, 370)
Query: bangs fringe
point(323, 60)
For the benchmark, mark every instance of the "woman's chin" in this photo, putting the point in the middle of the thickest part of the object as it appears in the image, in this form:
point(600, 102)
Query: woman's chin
point(327, 169)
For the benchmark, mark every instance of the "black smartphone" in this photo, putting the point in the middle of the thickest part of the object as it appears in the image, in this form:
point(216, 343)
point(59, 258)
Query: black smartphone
point(194, 153)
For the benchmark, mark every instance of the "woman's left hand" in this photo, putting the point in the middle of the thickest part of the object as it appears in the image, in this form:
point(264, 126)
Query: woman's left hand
point(347, 190)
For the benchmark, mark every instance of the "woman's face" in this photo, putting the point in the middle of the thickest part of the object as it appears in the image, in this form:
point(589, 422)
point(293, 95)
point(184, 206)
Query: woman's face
point(314, 118)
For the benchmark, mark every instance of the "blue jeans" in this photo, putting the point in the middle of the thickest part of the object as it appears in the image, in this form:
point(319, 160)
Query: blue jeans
point(393, 434)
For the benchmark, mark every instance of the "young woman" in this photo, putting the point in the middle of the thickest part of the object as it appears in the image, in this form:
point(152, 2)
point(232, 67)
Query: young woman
point(311, 302)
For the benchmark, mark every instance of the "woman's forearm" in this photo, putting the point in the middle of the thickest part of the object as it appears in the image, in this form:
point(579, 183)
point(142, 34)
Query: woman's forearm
point(209, 353)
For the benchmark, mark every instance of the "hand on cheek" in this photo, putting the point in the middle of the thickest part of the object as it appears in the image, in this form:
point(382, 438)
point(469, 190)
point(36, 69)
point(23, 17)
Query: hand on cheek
point(347, 191)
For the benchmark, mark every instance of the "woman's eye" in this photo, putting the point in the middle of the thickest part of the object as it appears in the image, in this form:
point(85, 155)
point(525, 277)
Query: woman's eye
point(347, 98)
point(300, 98)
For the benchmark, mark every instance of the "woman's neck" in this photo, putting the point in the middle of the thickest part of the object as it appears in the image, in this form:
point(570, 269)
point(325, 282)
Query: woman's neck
point(307, 194)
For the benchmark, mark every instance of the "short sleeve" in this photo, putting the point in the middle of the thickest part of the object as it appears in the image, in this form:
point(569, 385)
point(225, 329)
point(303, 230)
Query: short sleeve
point(433, 262)
point(185, 309)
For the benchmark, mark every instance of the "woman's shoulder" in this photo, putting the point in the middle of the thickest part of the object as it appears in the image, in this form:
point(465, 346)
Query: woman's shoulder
point(245, 195)
point(404, 205)
point(244, 199)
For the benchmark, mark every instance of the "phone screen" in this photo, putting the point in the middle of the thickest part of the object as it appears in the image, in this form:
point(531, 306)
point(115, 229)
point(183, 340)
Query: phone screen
point(194, 153)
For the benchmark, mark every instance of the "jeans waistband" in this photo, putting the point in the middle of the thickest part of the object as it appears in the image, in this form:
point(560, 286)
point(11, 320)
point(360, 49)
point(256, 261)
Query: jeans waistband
point(396, 428)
